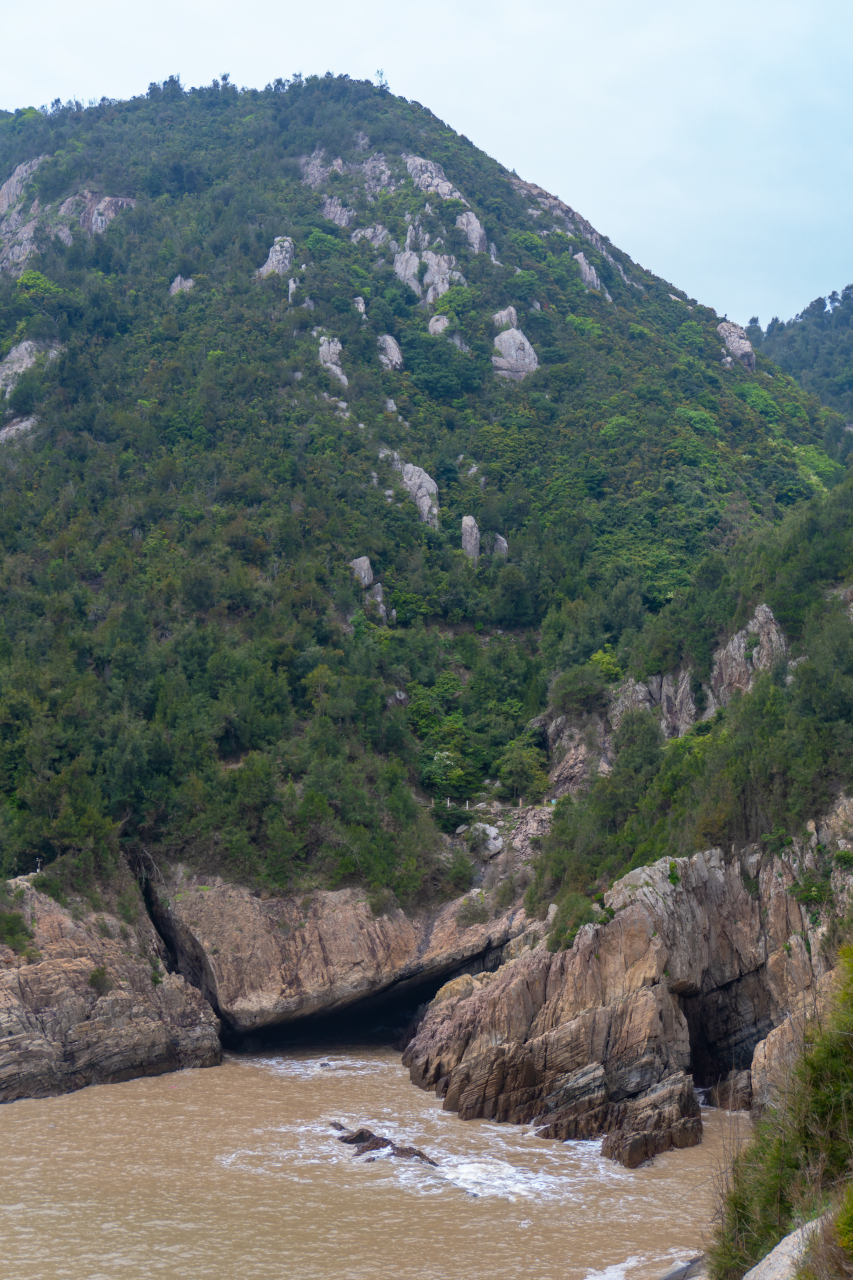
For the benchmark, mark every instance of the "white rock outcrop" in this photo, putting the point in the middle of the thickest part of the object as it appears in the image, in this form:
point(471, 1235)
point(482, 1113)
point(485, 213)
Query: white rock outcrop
point(737, 343)
point(429, 176)
point(517, 358)
point(12, 189)
point(489, 838)
point(501, 545)
point(98, 218)
point(16, 428)
point(437, 325)
point(330, 359)
point(470, 538)
point(421, 487)
point(471, 225)
point(358, 303)
point(390, 354)
point(21, 358)
point(180, 285)
point(363, 570)
point(375, 235)
point(756, 648)
point(439, 275)
point(335, 211)
point(377, 595)
point(589, 275)
point(572, 222)
point(19, 223)
point(424, 492)
point(507, 316)
point(280, 258)
point(417, 236)
point(406, 266)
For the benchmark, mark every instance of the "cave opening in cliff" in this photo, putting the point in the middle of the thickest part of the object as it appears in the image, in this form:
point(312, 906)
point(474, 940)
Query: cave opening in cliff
point(724, 1026)
point(384, 1019)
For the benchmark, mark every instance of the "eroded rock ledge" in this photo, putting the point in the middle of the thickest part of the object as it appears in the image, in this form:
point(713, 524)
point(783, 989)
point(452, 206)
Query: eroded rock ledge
point(262, 962)
point(702, 957)
point(62, 1028)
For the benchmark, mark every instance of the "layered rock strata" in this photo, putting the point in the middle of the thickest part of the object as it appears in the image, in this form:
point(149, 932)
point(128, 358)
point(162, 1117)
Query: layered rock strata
point(91, 1003)
point(263, 962)
point(700, 960)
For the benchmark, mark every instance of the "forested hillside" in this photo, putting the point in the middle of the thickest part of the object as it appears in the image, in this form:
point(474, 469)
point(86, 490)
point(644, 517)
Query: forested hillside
point(816, 347)
point(241, 305)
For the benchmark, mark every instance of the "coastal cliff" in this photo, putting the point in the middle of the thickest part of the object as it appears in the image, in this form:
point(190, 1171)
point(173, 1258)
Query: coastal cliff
point(694, 961)
point(89, 1001)
point(264, 961)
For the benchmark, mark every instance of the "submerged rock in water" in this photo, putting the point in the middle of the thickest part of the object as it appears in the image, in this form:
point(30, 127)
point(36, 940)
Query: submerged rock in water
point(364, 1141)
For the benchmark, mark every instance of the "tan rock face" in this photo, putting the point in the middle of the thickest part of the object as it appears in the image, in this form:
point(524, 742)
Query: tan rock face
point(689, 974)
point(58, 1032)
point(263, 962)
point(579, 750)
point(774, 1058)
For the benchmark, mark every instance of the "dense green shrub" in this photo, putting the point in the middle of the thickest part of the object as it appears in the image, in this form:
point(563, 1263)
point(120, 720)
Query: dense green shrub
point(801, 1155)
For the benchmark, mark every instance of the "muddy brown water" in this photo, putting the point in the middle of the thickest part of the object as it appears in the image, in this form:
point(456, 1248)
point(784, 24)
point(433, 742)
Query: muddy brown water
point(236, 1172)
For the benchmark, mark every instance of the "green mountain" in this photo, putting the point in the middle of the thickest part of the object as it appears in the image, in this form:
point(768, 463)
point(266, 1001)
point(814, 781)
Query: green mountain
point(816, 347)
point(250, 337)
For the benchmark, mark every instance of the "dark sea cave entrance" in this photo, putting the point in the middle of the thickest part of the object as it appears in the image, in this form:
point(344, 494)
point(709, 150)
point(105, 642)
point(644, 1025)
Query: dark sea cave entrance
point(382, 1020)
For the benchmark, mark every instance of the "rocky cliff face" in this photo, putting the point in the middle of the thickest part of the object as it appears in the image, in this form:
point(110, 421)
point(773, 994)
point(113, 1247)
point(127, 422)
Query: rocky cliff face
point(702, 957)
point(92, 1003)
point(579, 750)
point(262, 962)
point(21, 216)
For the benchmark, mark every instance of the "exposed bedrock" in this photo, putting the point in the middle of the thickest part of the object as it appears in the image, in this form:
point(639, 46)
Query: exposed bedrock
point(262, 962)
point(581, 748)
point(702, 958)
point(91, 1003)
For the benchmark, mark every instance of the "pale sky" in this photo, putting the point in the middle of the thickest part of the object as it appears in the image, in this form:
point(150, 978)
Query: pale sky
point(711, 142)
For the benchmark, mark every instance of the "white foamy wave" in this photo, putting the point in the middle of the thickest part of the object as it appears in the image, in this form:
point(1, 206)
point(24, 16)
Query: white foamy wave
point(617, 1270)
point(296, 1068)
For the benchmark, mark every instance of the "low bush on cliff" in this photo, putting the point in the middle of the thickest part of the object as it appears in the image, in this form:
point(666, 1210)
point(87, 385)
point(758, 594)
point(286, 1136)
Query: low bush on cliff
point(801, 1157)
point(13, 931)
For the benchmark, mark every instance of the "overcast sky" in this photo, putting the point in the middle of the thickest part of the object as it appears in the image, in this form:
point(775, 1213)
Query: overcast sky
point(711, 142)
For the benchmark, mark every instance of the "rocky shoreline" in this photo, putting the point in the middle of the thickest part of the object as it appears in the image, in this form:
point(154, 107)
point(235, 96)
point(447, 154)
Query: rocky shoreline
point(694, 974)
point(93, 1003)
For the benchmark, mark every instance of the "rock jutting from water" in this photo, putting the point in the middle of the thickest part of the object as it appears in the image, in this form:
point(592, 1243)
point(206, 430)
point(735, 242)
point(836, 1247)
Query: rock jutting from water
point(364, 1141)
point(90, 1001)
point(688, 977)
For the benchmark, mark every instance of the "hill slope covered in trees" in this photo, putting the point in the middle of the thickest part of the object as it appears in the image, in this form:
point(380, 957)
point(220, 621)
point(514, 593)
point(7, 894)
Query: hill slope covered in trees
point(186, 657)
point(816, 347)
